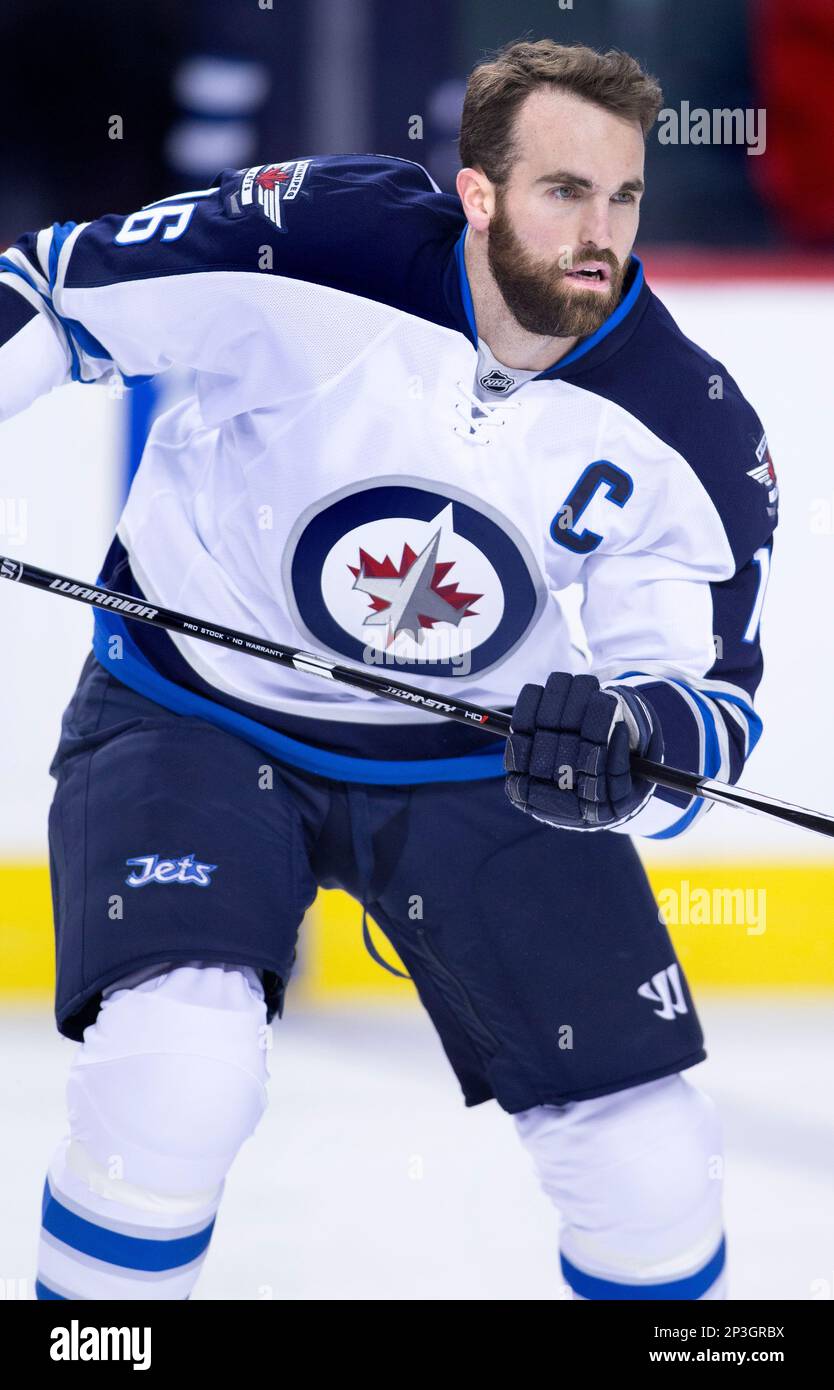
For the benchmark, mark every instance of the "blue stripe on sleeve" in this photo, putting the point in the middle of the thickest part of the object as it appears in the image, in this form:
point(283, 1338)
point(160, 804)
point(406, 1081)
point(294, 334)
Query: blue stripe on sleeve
point(712, 762)
point(75, 331)
point(712, 751)
point(754, 722)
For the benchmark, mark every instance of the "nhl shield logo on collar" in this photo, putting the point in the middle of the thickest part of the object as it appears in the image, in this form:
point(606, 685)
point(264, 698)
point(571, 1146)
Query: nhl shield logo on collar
point(497, 381)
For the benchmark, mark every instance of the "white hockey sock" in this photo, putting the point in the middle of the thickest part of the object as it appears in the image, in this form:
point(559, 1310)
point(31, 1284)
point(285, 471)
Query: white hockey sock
point(167, 1085)
point(636, 1176)
point(104, 1239)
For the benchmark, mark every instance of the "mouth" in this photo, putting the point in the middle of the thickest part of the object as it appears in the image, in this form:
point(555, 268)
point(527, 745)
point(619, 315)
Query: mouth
point(594, 275)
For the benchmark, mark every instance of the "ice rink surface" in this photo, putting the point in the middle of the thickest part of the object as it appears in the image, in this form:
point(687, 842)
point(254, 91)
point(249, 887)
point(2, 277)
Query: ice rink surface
point(369, 1179)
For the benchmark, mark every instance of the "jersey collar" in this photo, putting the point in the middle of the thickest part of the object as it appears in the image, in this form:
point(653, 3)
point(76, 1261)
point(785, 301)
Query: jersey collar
point(607, 339)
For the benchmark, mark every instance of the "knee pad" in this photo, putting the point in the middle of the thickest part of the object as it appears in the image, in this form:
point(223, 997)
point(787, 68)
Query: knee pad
point(171, 1078)
point(637, 1178)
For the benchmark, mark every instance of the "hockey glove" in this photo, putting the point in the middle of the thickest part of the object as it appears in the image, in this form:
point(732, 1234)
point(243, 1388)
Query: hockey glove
point(567, 758)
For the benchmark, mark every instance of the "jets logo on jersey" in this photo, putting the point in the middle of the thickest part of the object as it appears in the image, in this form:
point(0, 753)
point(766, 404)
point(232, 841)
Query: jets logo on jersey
point(269, 186)
point(497, 381)
point(408, 571)
point(411, 597)
point(765, 474)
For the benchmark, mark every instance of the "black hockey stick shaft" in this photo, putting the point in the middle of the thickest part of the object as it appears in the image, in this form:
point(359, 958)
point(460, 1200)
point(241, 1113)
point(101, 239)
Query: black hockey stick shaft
point(490, 721)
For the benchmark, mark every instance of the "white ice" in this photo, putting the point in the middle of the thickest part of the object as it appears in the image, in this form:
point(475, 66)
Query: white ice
point(368, 1178)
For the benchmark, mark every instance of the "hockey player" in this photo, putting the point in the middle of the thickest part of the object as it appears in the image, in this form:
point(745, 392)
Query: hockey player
point(414, 420)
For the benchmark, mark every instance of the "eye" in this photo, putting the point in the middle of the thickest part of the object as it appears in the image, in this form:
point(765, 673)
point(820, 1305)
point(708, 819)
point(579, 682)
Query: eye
point(624, 198)
point(566, 189)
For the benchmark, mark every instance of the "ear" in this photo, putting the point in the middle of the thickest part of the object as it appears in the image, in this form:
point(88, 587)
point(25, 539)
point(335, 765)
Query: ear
point(477, 194)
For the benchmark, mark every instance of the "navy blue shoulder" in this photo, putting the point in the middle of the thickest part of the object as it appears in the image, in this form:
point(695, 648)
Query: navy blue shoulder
point(690, 401)
point(370, 225)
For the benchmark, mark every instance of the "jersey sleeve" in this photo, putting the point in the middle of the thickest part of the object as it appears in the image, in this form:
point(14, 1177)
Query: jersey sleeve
point(125, 294)
point(34, 350)
point(204, 279)
point(686, 633)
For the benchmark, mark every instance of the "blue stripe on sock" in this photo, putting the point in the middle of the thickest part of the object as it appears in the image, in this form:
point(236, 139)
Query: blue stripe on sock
point(693, 1286)
point(132, 1252)
point(41, 1292)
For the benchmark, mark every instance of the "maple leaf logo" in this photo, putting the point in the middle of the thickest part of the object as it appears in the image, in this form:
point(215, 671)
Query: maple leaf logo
point(268, 178)
point(411, 597)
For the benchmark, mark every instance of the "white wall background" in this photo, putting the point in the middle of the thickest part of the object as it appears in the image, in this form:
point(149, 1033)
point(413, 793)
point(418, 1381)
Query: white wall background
point(774, 339)
point(63, 460)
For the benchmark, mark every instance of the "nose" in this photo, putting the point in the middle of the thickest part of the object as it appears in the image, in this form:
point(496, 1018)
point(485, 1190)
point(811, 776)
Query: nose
point(595, 228)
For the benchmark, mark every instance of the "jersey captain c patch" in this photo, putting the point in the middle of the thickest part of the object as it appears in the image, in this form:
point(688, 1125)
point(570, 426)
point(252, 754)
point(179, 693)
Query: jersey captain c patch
point(404, 571)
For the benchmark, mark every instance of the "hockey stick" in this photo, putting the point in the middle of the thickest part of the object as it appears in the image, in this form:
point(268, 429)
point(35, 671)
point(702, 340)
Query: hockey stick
point(491, 721)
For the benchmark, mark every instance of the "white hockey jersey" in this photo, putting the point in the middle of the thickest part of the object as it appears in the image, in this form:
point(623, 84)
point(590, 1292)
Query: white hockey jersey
point(352, 474)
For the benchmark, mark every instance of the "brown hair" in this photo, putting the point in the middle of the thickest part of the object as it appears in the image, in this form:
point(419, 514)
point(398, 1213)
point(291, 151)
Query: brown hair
point(497, 87)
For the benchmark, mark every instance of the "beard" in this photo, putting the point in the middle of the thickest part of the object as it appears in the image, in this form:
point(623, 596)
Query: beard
point(535, 291)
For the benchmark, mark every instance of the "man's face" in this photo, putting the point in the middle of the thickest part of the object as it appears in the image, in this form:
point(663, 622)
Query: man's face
point(570, 205)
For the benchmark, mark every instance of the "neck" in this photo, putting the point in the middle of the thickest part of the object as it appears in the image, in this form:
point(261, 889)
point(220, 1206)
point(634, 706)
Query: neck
point(506, 339)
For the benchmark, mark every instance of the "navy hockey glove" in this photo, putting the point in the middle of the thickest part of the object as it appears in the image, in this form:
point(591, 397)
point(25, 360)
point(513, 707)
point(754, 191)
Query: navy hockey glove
point(567, 758)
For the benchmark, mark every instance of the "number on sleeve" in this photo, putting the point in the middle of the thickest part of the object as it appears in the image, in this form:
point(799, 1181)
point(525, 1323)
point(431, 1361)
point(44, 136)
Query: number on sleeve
point(762, 559)
point(141, 226)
